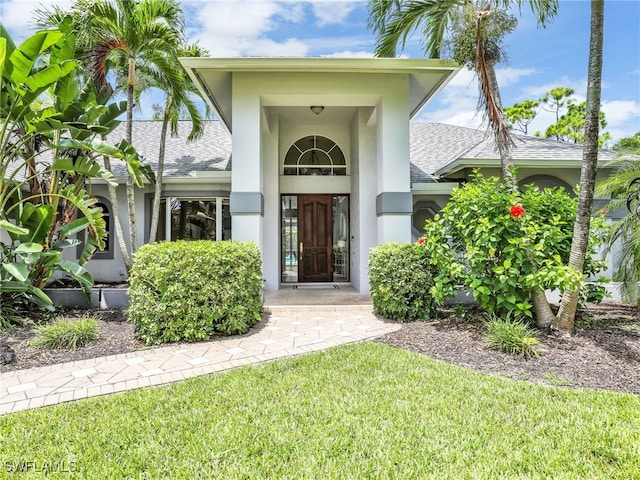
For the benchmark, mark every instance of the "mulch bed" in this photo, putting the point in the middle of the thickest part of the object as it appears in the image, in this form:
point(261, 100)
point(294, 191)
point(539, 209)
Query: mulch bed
point(604, 352)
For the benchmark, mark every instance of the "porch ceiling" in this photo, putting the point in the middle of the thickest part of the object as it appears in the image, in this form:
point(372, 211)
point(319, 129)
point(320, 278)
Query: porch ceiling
point(213, 76)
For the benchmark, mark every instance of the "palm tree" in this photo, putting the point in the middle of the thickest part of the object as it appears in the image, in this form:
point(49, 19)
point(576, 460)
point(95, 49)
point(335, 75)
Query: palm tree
point(565, 318)
point(477, 34)
point(131, 33)
point(476, 38)
point(623, 189)
point(117, 38)
point(178, 101)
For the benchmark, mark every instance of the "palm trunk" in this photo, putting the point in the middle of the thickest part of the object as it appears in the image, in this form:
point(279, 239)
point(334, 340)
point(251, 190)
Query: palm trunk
point(491, 103)
point(155, 214)
point(504, 147)
point(542, 309)
point(115, 214)
point(566, 315)
point(131, 204)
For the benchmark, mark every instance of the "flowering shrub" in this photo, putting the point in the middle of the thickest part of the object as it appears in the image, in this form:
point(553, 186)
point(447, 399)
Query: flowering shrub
point(517, 211)
point(501, 244)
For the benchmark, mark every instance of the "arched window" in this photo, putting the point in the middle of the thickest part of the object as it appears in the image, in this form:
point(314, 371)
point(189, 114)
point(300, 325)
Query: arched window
point(315, 155)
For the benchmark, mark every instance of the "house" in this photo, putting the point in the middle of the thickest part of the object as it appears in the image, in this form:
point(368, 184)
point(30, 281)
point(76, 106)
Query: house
point(326, 163)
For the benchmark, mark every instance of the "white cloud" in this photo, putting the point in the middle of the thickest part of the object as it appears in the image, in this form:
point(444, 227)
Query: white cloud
point(232, 28)
point(623, 118)
point(456, 103)
point(17, 15)
point(332, 13)
point(509, 76)
point(351, 54)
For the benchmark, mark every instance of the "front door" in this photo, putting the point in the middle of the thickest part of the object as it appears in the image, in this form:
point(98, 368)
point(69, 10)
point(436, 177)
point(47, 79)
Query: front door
point(315, 218)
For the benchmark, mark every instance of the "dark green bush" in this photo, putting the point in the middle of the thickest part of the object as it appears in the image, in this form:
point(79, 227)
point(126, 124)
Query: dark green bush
point(400, 278)
point(191, 290)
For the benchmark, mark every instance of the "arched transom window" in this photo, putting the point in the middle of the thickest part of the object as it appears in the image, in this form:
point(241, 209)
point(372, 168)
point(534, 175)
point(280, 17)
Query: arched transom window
point(315, 155)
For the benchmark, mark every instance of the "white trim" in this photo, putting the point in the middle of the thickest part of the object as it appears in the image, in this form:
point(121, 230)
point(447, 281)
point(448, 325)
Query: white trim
point(444, 188)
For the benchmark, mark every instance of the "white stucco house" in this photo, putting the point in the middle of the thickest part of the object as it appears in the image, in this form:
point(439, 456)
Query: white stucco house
point(317, 160)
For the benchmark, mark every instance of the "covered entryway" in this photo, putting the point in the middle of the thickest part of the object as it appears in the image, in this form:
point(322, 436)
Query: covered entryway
point(302, 127)
point(315, 238)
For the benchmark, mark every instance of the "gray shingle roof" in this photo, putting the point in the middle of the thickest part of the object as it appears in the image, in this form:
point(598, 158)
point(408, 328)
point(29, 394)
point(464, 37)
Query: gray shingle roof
point(533, 148)
point(212, 152)
point(433, 146)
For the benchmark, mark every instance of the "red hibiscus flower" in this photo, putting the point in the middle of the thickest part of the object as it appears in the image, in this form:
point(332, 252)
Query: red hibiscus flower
point(421, 241)
point(516, 211)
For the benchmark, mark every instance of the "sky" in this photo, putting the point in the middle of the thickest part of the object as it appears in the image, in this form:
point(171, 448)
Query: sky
point(538, 59)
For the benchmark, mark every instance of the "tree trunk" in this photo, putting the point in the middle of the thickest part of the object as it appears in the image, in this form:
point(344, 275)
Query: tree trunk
point(131, 204)
point(115, 214)
point(155, 214)
point(567, 312)
point(542, 309)
point(504, 147)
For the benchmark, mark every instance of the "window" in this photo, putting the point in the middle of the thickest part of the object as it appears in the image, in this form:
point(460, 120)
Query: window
point(194, 219)
point(315, 155)
point(107, 253)
point(423, 211)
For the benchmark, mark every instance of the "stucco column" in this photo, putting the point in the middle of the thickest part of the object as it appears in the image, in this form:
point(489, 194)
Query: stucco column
point(246, 200)
point(393, 200)
point(271, 225)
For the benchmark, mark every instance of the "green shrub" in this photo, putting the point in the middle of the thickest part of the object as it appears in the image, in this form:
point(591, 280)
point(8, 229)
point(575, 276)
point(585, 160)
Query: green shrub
point(502, 244)
point(66, 333)
point(400, 278)
point(191, 290)
point(512, 336)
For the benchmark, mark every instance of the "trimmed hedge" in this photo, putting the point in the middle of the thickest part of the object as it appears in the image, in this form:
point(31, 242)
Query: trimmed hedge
point(191, 290)
point(400, 278)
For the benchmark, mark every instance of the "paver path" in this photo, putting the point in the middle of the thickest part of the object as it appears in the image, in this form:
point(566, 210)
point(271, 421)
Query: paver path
point(288, 331)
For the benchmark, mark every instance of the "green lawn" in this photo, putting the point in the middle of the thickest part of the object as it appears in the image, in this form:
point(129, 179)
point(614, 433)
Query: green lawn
point(360, 411)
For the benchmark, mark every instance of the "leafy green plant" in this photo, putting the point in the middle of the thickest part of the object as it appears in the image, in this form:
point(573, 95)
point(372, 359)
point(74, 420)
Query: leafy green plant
point(191, 290)
point(513, 336)
point(48, 122)
point(593, 293)
point(400, 278)
point(503, 244)
point(66, 333)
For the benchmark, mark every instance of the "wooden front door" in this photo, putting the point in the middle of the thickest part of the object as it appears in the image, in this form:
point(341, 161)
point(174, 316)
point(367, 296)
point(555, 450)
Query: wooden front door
point(315, 248)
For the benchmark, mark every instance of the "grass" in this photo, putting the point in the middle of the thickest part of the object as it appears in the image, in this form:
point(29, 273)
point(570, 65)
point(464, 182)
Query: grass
point(360, 411)
point(511, 336)
point(66, 333)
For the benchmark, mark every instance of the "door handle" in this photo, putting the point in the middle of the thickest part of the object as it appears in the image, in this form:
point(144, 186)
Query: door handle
point(301, 250)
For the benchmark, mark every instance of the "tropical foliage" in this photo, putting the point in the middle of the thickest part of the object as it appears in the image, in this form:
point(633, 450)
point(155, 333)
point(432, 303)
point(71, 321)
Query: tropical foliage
point(475, 30)
point(622, 188)
point(47, 147)
point(180, 95)
point(505, 246)
point(126, 46)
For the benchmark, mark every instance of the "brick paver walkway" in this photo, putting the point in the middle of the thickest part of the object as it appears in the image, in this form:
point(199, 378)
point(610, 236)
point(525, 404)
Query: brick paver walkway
point(288, 331)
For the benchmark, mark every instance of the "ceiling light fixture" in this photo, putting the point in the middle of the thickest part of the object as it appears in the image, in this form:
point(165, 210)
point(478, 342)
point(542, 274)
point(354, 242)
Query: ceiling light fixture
point(317, 109)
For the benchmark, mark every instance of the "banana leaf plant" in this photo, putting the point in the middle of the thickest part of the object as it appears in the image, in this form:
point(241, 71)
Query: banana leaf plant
point(49, 123)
